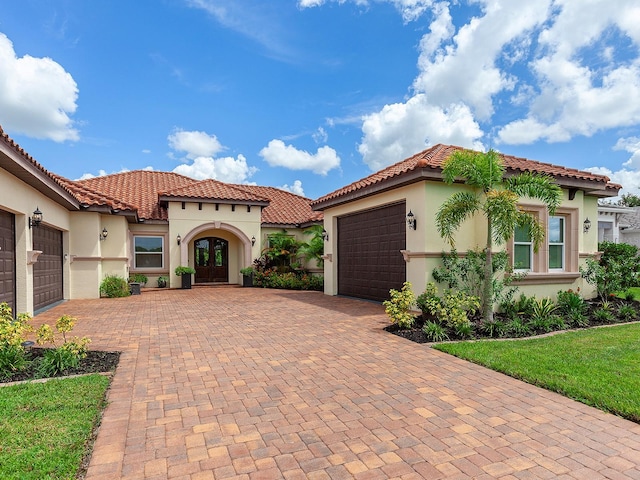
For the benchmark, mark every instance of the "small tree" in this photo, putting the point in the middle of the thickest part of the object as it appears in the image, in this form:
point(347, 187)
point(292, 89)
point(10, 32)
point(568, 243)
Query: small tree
point(314, 248)
point(497, 199)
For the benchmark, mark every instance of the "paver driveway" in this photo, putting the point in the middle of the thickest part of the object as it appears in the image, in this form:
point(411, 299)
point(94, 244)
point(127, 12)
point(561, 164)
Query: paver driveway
point(263, 384)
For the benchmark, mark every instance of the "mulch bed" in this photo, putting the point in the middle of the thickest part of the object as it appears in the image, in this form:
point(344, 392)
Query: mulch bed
point(94, 362)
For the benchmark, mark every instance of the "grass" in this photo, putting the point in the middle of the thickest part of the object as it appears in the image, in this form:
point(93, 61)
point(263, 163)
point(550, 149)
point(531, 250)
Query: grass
point(599, 367)
point(635, 291)
point(46, 428)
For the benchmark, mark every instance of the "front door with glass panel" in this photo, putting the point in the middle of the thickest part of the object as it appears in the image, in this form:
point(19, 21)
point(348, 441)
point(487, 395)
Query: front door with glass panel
point(212, 260)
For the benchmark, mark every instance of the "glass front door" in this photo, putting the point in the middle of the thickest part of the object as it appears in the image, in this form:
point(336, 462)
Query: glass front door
point(211, 260)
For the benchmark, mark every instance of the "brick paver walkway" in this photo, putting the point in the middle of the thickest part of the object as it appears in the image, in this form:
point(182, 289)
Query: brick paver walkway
point(258, 384)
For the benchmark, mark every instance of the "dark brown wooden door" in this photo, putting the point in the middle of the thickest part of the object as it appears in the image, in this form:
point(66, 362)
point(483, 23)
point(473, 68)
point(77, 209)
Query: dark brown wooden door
point(211, 260)
point(47, 271)
point(8, 260)
point(369, 258)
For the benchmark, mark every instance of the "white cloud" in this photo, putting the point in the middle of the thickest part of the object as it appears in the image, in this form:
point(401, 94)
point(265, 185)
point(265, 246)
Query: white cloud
point(102, 173)
point(577, 96)
point(631, 145)
point(226, 169)
point(410, 9)
point(277, 154)
point(194, 143)
point(146, 151)
point(37, 96)
point(320, 135)
point(402, 129)
point(295, 188)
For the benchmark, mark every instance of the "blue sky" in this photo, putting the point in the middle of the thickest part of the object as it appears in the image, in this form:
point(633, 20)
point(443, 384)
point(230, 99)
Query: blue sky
point(311, 95)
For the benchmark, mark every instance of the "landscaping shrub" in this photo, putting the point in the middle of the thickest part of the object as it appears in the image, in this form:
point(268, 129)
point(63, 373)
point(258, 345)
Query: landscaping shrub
point(435, 332)
point(62, 356)
point(138, 278)
point(12, 334)
point(289, 280)
point(113, 286)
point(398, 307)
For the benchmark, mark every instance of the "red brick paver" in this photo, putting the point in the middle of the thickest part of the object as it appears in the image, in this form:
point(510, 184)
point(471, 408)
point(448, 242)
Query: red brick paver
point(233, 383)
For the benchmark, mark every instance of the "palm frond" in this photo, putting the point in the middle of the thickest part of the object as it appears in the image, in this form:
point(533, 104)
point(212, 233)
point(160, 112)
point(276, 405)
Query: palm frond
point(454, 211)
point(533, 185)
point(535, 226)
point(481, 170)
point(501, 207)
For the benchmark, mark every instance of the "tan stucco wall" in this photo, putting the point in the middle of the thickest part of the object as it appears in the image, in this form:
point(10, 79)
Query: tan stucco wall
point(21, 199)
point(424, 245)
point(191, 223)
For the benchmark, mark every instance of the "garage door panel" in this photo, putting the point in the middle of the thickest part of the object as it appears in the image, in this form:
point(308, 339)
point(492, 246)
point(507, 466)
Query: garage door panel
point(369, 258)
point(47, 271)
point(7, 259)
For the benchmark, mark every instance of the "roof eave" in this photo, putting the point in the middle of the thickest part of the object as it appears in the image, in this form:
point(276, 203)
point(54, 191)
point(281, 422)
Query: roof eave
point(169, 198)
point(21, 167)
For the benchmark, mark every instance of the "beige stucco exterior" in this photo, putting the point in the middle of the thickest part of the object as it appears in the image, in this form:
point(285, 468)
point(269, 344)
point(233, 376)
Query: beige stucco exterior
point(424, 246)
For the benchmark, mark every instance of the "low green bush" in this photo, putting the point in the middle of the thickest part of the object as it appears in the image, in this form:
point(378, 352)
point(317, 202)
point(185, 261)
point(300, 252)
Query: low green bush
point(288, 280)
point(435, 332)
point(113, 286)
point(398, 307)
point(138, 278)
point(13, 332)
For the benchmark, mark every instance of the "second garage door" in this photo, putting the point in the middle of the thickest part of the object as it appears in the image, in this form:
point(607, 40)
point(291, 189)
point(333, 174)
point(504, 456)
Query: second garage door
point(7, 260)
point(47, 271)
point(369, 258)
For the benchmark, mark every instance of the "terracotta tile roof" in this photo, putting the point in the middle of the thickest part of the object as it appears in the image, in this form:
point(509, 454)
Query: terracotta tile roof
point(89, 197)
point(208, 189)
point(285, 208)
point(9, 142)
point(141, 189)
point(433, 158)
point(138, 189)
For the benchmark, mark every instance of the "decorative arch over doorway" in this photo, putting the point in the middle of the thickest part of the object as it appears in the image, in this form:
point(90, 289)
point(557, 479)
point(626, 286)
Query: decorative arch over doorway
point(190, 236)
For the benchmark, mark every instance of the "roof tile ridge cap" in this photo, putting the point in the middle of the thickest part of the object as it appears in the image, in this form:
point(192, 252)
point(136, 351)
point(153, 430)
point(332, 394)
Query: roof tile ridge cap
point(246, 190)
point(598, 177)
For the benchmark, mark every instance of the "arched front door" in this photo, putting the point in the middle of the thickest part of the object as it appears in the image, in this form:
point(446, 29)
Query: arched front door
point(212, 260)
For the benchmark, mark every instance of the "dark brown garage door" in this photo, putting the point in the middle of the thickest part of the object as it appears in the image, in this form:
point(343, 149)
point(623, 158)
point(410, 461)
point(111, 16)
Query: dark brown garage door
point(47, 271)
point(8, 260)
point(369, 258)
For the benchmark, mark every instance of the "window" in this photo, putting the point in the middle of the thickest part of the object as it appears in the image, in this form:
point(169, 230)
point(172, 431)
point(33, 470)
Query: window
point(149, 252)
point(522, 249)
point(557, 256)
point(556, 243)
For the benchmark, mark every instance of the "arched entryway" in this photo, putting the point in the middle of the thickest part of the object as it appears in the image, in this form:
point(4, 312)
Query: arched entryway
point(211, 258)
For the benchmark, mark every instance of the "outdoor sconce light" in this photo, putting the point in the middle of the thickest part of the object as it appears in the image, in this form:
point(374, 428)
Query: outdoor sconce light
point(325, 235)
point(179, 239)
point(586, 226)
point(411, 221)
point(104, 234)
point(36, 219)
point(253, 241)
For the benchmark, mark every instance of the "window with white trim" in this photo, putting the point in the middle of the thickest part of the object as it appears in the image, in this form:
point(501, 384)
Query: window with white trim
point(148, 252)
point(555, 235)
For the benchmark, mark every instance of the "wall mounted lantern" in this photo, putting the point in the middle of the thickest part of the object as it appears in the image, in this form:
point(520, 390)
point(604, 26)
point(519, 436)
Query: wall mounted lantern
point(325, 235)
point(253, 241)
point(411, 221)
point(179, 239)
point(36, 219)
point(586, 226)
point(104, 234)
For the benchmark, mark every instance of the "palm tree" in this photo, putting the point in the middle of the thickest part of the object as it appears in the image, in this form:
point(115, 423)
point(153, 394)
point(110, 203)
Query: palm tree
point(314, 248)
point(496, 198)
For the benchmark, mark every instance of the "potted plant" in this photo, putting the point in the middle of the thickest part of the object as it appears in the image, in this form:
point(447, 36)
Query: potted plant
point(162, 281)
point(247, 276)
point(185, 273)
point(138, 278)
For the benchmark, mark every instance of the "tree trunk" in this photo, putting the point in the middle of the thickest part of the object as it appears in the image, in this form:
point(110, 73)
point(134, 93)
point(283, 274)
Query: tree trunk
point(488, 278)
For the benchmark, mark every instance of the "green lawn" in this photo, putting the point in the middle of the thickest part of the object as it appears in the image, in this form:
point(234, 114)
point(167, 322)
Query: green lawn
point(599, 367)
point(46, 428)
point(635, 291)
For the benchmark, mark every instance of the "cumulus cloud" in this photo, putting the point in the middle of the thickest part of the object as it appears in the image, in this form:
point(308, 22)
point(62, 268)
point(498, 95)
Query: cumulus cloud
point(277, 154)
point(37, 96)
point(402, 129)
point(631, 145)
point(295, 188)
point(200, 149)
point(576, 96)
point(226, 169)
point(194, 143)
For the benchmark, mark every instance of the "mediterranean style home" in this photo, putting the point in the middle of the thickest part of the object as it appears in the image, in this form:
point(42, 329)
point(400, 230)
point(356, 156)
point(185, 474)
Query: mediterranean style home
point(59, 238)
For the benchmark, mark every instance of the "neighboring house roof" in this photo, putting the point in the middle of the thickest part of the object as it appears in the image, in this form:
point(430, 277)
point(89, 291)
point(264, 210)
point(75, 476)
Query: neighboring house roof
point(630, 221)
point(428, 165)
point(145, 190)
